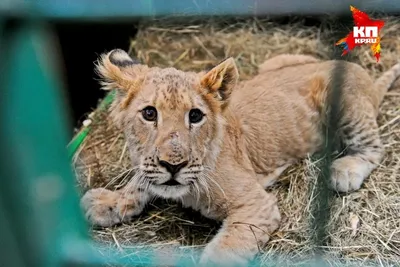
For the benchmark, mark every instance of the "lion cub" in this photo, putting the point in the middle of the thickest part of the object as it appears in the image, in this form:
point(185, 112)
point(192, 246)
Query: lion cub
point(215, 144)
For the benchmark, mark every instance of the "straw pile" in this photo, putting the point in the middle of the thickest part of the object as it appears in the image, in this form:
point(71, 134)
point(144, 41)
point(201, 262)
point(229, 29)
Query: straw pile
point(364, 224)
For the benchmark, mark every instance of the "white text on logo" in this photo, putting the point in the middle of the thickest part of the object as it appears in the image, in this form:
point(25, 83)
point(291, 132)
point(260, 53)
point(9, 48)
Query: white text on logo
point(365, 35)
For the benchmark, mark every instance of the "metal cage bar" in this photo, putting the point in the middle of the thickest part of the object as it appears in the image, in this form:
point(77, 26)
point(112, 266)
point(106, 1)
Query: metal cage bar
point(127, 9)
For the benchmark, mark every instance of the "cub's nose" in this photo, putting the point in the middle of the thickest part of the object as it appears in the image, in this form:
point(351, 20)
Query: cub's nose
point(171, 168)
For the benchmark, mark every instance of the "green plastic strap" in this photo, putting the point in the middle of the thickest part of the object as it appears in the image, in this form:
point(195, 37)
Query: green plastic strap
point(78, 139)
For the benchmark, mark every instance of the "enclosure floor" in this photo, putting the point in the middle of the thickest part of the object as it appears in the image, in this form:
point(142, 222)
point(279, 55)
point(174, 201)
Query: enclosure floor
point(364, 225)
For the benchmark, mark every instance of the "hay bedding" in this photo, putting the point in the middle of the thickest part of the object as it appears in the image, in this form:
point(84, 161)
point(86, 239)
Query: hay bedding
point(364, 225)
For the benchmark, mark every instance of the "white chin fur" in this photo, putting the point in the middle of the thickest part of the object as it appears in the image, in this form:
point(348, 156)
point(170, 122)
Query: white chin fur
point(172, 192)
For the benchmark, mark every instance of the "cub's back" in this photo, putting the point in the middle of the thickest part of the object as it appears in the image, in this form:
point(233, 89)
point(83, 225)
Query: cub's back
point(280, 110)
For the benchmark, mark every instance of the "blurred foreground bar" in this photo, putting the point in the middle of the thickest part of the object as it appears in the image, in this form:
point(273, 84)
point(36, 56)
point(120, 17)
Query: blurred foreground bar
point(129, 9)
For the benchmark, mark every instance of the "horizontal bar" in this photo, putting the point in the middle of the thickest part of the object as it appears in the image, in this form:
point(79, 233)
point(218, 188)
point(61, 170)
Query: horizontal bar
point(130, 9)
point(82, 252)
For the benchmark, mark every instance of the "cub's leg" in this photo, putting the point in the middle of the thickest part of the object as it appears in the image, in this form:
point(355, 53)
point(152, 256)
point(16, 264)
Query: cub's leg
point(103, 207)
point(364, 150)
point(286, 60)
point(359, 132)
point(252, 216)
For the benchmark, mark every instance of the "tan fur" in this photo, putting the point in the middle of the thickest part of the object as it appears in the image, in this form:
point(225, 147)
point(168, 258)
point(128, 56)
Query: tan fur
point(252, 131)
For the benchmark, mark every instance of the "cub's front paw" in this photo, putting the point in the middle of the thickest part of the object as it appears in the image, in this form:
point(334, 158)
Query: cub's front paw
point(348, 174)
point(105, 208)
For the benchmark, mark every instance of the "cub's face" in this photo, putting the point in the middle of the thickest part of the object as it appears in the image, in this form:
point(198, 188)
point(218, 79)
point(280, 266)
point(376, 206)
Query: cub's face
point(172, 120)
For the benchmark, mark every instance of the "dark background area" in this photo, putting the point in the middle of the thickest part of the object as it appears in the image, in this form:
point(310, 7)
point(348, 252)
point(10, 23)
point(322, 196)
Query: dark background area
point(81, 44)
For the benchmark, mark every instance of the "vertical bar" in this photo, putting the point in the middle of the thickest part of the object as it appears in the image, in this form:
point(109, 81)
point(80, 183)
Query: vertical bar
point(10, 254)
point(38, 187)
point(321, 206)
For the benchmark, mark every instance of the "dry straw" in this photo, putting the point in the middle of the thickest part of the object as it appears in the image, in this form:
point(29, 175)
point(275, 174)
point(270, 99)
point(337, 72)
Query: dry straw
point(364, 225)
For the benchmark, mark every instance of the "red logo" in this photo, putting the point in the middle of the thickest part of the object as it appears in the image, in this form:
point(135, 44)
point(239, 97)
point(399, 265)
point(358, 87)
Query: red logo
point(365, 31)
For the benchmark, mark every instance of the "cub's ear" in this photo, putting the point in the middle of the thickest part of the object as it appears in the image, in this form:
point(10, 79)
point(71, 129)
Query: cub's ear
point(118, 70)
point(221, 80)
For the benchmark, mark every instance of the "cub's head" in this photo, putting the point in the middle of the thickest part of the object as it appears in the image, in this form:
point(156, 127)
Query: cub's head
point(172, 119)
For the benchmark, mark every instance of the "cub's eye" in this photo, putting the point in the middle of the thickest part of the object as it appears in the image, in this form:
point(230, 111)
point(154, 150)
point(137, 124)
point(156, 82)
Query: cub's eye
point(149, 113)
point(195, 115)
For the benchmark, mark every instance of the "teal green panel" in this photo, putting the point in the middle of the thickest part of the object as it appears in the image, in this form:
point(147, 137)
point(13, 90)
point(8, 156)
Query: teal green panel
point(38, 187)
